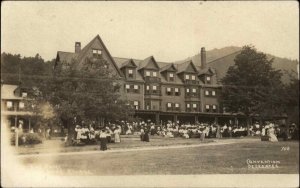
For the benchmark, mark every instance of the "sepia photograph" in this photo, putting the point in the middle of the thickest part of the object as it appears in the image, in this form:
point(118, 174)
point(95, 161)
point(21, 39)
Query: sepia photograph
point(150, 94)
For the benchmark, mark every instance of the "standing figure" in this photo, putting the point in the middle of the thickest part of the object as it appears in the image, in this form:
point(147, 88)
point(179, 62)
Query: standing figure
point(271, 134)
point(146, 135)
point(117, 133)
point(142, 134)
point(103, 140)
point(218, 134)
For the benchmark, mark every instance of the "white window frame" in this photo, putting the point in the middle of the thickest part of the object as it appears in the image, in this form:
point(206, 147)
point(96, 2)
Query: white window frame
point(154, 74)
point(207, 107)
point(9, 104)
point(213, 93)
point(148, 73)
point(154, 88)
point(188, 105)
point(194, 90)
point(169, 105)
point(24, 94)
point(176, 90)
point(193, 77)
point(130, 71)
point(136, 87)
point(168, 89)
point(208, 78)
point(147, 87)
point(176, 105)
point(206, 93)
point(135, 103)
point(187, 77)
point(97, 51)
point(127, 86)
point(171, 75)
point(194, 105)
point(21, 105)
point(214, 107)
point(187, 90)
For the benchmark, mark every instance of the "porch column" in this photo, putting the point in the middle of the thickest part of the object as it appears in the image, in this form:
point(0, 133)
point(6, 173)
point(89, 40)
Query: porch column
point(175, 119)
point(216, 120)
point(236, 121)
point(196, 119)
point(157, 118)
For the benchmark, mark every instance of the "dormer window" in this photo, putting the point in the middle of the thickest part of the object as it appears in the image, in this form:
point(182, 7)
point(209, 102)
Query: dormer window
point(154, 74)
point(193, 77)
point(97, 52)
point(130, 73)
point(187, 77)
point(208, 78)
point(171, 77)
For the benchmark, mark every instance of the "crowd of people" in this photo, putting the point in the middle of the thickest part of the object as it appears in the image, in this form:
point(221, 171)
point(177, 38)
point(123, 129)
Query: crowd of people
point(111, 133)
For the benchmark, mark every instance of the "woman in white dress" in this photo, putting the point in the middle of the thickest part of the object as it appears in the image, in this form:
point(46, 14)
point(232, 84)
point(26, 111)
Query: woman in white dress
point(117, 133)
point(271, 133)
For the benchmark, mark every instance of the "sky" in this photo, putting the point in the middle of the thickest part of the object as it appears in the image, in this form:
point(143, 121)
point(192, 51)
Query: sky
point(169, 31)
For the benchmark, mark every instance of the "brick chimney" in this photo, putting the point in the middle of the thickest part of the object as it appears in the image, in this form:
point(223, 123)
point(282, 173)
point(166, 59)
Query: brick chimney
point(77, 47)
point(203, 58)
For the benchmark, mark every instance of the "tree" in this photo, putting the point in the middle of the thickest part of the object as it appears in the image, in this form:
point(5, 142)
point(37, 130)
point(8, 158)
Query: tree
point(252, 87)
point(84, 92)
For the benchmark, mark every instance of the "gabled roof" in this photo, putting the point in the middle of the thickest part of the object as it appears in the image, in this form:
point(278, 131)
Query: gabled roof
point(84, 51)
point(147, 62)
point(183, 67)
point(128, 63)
point(169, 67)
point(207, 71)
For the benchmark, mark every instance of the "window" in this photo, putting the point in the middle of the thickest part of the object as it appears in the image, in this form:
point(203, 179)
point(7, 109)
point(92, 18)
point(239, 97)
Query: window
point(206, 93)
point(194, 90)
point(147, 88)
point(187, 77)
point(171, 77)
point(169, 105)
point(213, 93)
point(154, 88)
point(127, 86)
point(136, 104)
point(214, 107)
point(9, 104)
point(154, 74)
point(207, 107)
point(194, 105)
point(187, 90)
point(208, 78)
point(24, 94)
point(130, 73)
point(193, 77)
point(97, 53)
point(169, 91)
point(136, 87)
point(176, 105)
point(21, 105)
point(177, 91)
point(188, 105)
point(147, 73)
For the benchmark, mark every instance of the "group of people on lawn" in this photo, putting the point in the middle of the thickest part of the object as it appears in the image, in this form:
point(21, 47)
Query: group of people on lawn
point(111, 133)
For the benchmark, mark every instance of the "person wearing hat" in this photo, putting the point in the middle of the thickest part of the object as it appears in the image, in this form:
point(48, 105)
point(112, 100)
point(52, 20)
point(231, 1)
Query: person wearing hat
point(103, 140)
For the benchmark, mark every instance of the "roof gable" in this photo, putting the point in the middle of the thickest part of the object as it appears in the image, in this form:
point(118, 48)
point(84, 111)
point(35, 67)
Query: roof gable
point(97, 43)
point(207, 71)
point(149, 63)
point(187, 66)
point(169, 67)
point(129, 63)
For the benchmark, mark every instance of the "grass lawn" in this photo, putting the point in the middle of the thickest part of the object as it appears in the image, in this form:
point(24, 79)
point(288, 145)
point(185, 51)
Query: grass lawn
point(218, 159)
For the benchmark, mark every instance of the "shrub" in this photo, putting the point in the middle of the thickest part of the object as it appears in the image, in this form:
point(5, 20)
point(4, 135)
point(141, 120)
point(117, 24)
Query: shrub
point(26, 138)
